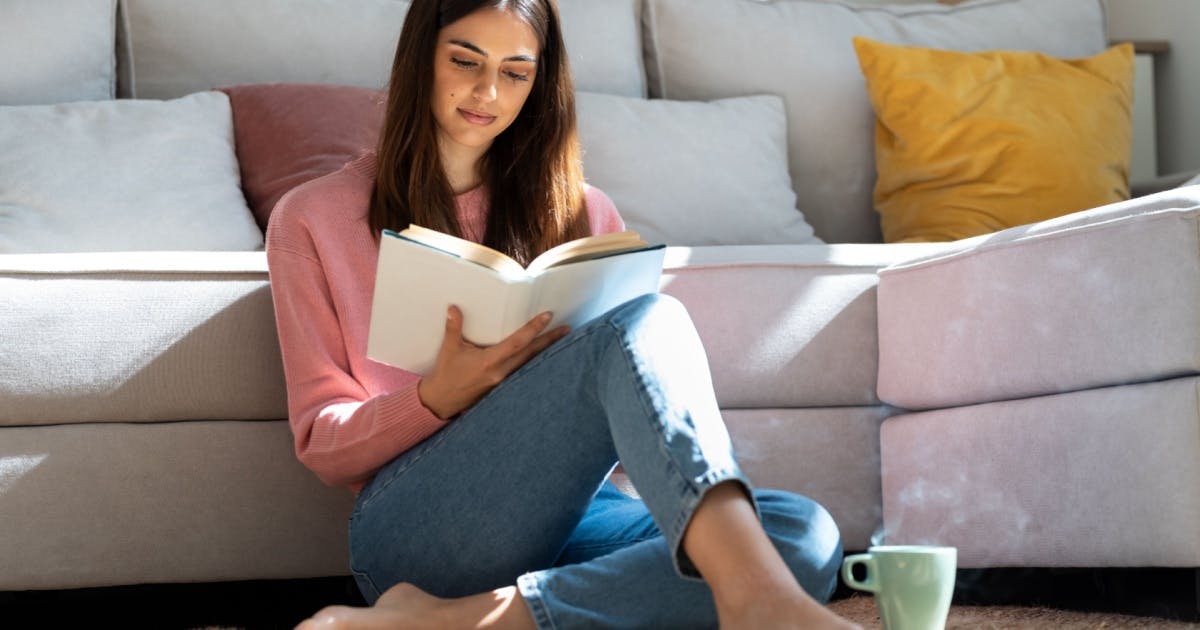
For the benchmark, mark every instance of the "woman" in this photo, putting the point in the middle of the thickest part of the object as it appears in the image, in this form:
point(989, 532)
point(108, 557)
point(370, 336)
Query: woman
point(482, 498)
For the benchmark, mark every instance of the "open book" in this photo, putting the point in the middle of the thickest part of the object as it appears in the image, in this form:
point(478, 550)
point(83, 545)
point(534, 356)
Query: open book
point(421, 272)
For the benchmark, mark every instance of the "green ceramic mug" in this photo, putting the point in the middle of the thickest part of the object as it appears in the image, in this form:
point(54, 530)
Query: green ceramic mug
point(913, 584)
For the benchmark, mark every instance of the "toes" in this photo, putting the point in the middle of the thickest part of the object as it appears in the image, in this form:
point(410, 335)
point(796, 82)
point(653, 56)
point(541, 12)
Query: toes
point(330, 617)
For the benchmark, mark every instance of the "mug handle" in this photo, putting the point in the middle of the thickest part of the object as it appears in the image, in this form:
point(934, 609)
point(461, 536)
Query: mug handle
point(871, 584)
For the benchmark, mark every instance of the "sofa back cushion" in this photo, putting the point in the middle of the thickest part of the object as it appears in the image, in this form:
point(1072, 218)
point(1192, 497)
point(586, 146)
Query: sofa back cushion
point(122, 175)
point(169, 48)
point(802, 50)
point(55, 51)
point(692, 194)
point(726, 186)
point(289, 133)
point(963, 141)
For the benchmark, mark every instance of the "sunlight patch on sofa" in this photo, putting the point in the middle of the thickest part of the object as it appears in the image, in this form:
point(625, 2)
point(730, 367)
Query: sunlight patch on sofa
point(13, 467)
point(812, 307)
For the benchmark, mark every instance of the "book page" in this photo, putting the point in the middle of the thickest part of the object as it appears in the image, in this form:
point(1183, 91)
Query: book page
point(468, 250)
point(585, 248)
point(581, 291)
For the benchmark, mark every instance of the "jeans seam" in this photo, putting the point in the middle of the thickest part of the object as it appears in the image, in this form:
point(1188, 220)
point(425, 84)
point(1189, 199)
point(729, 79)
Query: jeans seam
point(370, 583)
point(530, 588)
point(648, 409)
point(691, 490)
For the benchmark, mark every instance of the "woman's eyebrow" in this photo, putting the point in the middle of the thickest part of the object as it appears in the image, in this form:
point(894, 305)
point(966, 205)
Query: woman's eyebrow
point(473, 48)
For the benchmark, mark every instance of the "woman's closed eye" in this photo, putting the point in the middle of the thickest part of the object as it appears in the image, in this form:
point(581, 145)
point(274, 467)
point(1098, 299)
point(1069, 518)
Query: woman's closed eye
point(467, 64)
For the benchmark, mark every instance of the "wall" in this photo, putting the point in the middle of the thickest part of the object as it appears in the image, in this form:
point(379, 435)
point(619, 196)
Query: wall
point(1177, 74)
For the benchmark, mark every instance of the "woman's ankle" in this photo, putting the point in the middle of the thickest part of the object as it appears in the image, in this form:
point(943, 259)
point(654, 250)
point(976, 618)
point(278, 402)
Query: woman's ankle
point(731, 550)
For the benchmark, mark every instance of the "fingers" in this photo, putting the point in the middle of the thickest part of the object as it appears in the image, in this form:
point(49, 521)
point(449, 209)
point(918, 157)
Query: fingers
point(519, 340)
point(454, 324)
point(538, 344)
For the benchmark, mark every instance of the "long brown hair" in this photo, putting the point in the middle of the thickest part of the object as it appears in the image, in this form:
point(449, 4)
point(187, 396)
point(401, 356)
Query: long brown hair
point(533, 170)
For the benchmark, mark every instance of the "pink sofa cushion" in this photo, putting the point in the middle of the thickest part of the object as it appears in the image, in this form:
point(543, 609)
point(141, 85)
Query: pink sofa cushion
point(289, 133)
point(1094, 478)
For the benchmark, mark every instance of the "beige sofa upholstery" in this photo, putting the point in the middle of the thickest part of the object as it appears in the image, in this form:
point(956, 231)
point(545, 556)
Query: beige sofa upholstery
point(142, 412)
point(141, 431)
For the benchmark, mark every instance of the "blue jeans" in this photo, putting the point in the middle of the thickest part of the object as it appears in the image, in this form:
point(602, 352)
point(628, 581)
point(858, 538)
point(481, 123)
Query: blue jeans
point(514, 490)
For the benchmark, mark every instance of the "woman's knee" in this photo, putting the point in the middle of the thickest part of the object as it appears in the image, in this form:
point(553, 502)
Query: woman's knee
point(651, 308)
point(806, 536)
point(655, 323)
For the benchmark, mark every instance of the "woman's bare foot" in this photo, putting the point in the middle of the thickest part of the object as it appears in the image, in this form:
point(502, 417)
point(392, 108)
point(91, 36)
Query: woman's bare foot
point(402, 606)
point(752, 586)
point(406, 607)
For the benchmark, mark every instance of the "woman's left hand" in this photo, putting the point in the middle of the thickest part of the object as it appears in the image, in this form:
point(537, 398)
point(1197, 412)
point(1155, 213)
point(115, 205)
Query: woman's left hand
point(465, 372)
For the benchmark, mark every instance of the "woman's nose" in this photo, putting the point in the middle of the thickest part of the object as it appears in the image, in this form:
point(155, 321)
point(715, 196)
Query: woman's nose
point(485, 88)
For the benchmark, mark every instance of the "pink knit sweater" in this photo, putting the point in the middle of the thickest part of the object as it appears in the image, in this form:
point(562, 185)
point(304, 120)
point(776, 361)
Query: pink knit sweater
point(350, 415)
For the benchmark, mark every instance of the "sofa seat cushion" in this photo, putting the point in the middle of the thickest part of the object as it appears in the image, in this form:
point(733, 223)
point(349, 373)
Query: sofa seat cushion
point(786, 325)
point(1103, 297)
point(137, 337)
point(1098, 478)
point(802, 51)
point(123, 503)
point(830, 455)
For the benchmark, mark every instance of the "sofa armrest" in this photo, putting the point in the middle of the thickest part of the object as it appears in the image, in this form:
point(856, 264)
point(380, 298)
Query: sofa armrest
point(1102, 297)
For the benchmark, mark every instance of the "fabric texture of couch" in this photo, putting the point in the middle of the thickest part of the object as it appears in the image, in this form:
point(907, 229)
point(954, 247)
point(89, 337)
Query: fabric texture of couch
point(1028, 395)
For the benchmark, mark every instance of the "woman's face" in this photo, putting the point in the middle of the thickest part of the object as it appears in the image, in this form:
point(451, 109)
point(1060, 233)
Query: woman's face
point(483, 71)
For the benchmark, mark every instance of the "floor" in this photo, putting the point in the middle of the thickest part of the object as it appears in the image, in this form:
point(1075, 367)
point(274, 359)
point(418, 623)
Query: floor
point(1142, 597)
point(266, 605)
point(861, 609)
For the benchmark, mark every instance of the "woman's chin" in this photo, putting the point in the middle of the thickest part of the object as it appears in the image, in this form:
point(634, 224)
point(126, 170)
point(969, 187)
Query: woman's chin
point(474, 140)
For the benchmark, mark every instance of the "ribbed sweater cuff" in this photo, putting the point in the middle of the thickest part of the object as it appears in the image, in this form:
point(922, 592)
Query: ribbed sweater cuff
point(408, 421)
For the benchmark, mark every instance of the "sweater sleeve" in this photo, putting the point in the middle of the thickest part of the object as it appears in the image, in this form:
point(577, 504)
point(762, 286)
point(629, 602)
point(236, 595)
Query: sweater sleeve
point(341, 432)
point(602, 212)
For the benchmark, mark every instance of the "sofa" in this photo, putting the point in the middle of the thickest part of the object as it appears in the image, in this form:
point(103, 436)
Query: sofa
point(1029, 395)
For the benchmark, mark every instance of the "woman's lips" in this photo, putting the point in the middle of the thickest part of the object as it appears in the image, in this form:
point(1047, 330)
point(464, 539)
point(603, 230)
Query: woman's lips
point(476, 118)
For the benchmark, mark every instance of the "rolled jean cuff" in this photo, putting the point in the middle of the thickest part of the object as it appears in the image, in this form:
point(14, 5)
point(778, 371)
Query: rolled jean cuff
point(690, 501)
point(529, 586)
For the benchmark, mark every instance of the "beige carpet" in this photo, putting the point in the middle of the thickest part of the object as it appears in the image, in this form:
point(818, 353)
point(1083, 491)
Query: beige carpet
point(861, 609)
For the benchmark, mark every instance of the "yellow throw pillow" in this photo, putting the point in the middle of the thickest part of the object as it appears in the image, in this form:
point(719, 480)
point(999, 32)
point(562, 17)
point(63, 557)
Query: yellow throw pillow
point(971, 143)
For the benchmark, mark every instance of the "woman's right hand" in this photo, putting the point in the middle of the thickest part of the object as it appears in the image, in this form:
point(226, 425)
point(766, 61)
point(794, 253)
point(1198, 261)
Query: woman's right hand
point(464, 372)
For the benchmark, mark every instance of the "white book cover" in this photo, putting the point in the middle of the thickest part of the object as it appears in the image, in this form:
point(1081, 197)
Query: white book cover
point(416, 283)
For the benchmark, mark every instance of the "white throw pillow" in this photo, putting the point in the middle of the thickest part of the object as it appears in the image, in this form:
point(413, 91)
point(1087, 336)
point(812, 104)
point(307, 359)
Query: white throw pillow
point(121, 176)
point(171, 48)
point(56, 51)
point(802, 51)
point(694, 173)
point(1195, 181)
